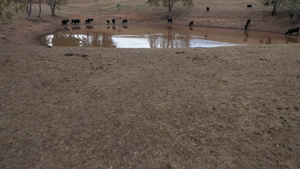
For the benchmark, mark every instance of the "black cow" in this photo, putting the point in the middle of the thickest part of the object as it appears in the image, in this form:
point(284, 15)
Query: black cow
point(248, 21)
point(113, 21)
point(291, 15)
point(293, 30)
point(124, 21)
point(65, 22)
point(75, 21)
point(191, 24)
point(170, 20)
point(267, 4)
point(207, 9)
point(108, 21)
point(89, 21)
point(249, 6)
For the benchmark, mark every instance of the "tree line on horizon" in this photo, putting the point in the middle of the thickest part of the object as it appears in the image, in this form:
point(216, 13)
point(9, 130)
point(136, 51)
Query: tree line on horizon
point(8, 7)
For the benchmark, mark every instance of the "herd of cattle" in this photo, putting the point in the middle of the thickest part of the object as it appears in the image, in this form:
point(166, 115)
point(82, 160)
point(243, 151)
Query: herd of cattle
point(89, 20)
point(170, 21)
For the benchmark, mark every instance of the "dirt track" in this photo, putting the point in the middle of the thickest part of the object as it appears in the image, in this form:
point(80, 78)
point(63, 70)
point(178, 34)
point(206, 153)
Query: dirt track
point(234, 107)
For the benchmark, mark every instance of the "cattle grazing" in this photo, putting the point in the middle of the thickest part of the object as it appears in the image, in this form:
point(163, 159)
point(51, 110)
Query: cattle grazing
point(113, 21)
point(293, 30)
point(108, 21)
point(207, 9)
point(170, 20)
point(191, 24)
point(267, 4)
point(249, 6)
point(75, 21)
point(65, 22)
point(88, 21)
point(124, 21)
point(291, 15)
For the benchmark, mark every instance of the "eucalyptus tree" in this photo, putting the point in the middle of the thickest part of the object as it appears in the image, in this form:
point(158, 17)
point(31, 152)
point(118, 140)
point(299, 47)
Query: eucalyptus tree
point(28, 8)
point(55, 4)
point(276, 4)
point(40, 8)
point(169, 4)
point(293, 6)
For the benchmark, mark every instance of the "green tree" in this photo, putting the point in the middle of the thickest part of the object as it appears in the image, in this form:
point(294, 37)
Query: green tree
point(8, 7)
point(169, 4)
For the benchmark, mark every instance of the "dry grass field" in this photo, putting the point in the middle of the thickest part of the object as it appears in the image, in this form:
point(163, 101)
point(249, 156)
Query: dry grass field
point(229, 107)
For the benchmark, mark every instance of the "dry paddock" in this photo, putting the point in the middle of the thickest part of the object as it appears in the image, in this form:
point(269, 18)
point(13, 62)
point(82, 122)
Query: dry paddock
point(234, 107)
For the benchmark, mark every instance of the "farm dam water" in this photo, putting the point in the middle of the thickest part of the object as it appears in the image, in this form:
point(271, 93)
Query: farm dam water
point(158, 36)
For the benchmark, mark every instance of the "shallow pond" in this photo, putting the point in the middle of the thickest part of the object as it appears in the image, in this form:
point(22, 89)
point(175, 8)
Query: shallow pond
point(153, 36)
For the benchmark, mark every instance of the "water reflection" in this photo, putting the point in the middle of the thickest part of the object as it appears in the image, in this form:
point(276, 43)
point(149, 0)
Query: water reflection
point(89, 27)
point(292, 40)
point(76, 28)
point(120, 36)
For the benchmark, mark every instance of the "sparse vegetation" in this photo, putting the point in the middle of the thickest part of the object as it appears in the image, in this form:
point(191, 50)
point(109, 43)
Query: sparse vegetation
point(9, 7)
point(293, 6)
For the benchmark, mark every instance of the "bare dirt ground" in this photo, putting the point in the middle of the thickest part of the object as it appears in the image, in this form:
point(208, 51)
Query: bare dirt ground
point(233, 107)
